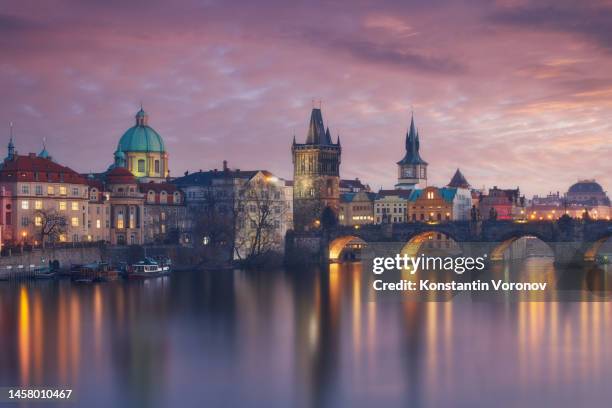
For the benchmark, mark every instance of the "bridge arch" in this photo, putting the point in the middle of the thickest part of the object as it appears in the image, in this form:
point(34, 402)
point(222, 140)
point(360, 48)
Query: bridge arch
point(497, 253)
point(590, 254)
point(340, 244)
point(415, 242)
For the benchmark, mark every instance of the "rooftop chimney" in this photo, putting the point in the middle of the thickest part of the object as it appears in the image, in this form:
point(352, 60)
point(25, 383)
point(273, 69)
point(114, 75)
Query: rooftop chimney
point(224, 165)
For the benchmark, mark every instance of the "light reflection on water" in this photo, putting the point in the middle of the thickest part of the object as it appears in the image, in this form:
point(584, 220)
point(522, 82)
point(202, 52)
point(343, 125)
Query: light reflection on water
point(307, 338)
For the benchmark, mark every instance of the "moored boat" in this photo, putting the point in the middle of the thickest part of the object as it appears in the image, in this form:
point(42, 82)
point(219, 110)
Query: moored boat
point(149, 268)
point(95, 272)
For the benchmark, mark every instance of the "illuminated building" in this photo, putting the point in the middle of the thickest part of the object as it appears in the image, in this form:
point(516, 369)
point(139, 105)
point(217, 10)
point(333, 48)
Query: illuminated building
point(391, 206)
point(36, 193)
point(502, 204)
point(316, 174)
point(356, 208)
point(142, 151)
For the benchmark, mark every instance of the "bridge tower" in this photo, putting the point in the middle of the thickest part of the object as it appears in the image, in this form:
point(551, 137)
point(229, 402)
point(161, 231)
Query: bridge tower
point(412, 169)
point(316, 174)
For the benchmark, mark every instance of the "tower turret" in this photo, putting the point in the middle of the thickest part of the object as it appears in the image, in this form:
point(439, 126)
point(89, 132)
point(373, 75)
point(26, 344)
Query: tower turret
point(316, 174)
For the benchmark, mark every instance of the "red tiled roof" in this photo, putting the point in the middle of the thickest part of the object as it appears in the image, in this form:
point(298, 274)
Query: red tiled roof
point(120, 175)
point(34, 168)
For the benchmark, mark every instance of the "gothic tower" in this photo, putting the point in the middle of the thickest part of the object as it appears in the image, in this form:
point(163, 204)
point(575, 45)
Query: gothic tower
point(316, 174)
point(412, 169)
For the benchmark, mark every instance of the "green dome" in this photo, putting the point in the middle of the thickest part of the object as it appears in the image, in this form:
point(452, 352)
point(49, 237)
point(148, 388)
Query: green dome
point(141, 137)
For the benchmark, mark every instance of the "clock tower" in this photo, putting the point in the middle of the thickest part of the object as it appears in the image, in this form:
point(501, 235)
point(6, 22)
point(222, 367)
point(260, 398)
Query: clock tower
point(412, 169)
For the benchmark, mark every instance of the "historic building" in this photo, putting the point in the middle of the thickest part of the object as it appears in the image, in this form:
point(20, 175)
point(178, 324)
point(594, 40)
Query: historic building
point(502, 204)
point(412, 169)
point(142, 151)
point(463, 198)
point(431, 204)
point(391, 206)
point(41, 200)
point(316, 174)
point(357, 208)
point(243, 212)
point(582, 198)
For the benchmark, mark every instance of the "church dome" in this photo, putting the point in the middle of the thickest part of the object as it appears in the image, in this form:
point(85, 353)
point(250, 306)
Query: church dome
point(141, 137)
point(586, 186)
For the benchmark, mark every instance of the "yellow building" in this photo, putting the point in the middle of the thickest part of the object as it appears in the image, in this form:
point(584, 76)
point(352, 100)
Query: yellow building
point(142, 151)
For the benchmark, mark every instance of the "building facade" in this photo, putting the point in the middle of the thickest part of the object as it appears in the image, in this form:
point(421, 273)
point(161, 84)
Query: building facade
point(391, 206)
point(356, 208)
point(316, 174)
point(248, 212)
point(42, 201)
point(502, 204)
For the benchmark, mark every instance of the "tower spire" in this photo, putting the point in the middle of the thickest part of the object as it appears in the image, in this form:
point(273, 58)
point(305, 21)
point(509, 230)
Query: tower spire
point(11, 145)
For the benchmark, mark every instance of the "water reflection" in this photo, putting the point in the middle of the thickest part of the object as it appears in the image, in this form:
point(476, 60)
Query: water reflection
point(306, 338)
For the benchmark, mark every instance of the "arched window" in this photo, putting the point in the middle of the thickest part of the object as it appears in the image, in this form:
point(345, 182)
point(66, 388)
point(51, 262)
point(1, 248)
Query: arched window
point(151, 196)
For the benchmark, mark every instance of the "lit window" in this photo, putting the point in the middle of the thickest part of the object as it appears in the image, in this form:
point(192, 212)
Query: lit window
point(62, 238)
point(62, 190)
point(62, 205)
point(75, 206)
point(50, 190)
point(74, 221)
point(38, 221)
point(98, 224)
point(25, 204)
point(38, 205)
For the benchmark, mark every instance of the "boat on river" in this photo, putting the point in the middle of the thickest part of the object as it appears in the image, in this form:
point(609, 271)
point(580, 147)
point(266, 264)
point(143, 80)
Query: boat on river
point(150, 268)
point(95, 272)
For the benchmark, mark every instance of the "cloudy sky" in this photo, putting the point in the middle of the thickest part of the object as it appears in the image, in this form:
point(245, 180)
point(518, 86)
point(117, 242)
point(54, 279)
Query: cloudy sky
point(512, 92)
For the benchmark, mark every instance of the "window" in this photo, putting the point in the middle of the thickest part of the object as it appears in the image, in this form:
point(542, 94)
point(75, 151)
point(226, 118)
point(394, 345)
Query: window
point(151, 196)
point(38, 205)
point(25, 204)
point(24, 221)
point(62, 190)
point(74, 221)
point(141, 166)
point(98, 224)
point(38, 189)
point(62, 206)
point(50, 190)
point(163, 197)
point(75, 191)
point(430, 195)
point(25, 189)
point(75, 206)
point(157, 166)
point(38, 221)
point(62, 238)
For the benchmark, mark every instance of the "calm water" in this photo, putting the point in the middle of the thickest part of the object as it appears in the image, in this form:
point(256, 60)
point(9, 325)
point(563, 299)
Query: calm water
point(312, 338)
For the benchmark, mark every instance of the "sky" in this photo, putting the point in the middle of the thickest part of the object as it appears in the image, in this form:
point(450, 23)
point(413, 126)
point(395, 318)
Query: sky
point(514, 93)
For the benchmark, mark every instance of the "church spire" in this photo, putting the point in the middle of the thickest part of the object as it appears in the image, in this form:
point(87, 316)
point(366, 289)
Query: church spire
point(412, 155)
point(11, 145)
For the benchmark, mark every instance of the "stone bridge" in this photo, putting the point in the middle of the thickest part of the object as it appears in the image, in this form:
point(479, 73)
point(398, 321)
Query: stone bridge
point(571, 241)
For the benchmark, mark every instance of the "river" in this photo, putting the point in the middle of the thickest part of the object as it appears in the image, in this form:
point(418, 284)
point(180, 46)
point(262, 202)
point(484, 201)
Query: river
point(302, 338)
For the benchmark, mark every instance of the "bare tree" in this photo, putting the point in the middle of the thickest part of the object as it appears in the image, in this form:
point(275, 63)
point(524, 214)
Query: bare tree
point(50, 226)
point(260, 213)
